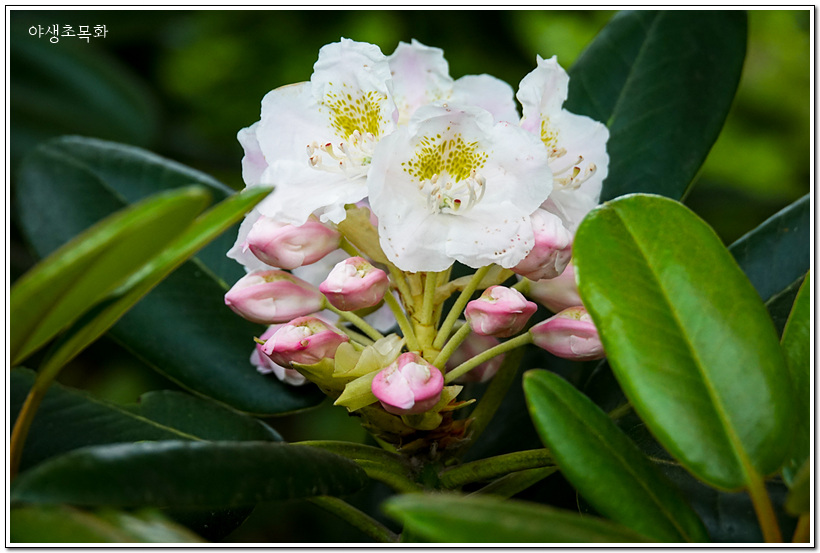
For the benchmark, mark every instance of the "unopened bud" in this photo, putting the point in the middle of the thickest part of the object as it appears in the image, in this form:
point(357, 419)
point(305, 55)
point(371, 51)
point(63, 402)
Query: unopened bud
point(557, 293)
point(305, 340)
point(265, 364)
point(290, 246)
point(552, 250)
point(500, 311)
point(273, 296)
point(408, 386)
point(570, 334)
point(355, 284)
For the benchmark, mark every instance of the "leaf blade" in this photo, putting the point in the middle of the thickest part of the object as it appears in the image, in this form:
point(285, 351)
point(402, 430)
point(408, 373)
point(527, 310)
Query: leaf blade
point(663, 83)
point(605, 467)
point(690, 342)
point(187, 474)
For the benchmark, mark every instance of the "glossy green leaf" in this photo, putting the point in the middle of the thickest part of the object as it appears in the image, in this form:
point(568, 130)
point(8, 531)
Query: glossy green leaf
point(187, 474)
point(796, 343)
point(57, 90)
point(604, 466)
point(475, 519)
point(663, 83)
point(182, 328)
point(687, 337)
point(64, 524)
point(69, 419)
point(82, 272)
point(776, 253)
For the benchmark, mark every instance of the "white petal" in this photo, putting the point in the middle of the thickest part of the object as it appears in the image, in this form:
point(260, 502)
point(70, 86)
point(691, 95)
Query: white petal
point(488, 92)
point(253, 163)
point(420, 76)
point(542, 92)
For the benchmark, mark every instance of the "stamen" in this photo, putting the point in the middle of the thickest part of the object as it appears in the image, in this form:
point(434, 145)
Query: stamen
point(350, 157)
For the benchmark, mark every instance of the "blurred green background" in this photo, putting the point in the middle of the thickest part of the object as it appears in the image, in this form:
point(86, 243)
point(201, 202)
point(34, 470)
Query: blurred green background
point(182, 83)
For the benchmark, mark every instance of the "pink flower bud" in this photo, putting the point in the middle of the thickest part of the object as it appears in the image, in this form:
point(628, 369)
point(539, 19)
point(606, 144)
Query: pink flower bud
point(500, 311)
point(265, 364)
point(552, 251)
point(290, 246)
point(409, 385)
point(354, 284)
point(469, 348)
point(557, 293)
point(273, 297)
point(306, 340)
point(570, 334)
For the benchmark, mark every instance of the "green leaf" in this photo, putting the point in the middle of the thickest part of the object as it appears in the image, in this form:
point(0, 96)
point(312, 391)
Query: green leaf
point(663, 83)
point(56, 90)
point(82, 272)
point(687, 337)
point(776, 253)
point(476, 519)
point(182, 328)
point(64, 524)
point(187, 474)
point(69, 419)
point(796, 343)
point(604, 466)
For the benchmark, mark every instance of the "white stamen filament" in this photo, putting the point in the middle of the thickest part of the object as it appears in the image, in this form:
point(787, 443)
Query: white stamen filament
point(351, 157)
point(453, 197)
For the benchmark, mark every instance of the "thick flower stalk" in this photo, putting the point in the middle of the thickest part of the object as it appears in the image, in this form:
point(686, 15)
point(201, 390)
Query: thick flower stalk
point(412, 174)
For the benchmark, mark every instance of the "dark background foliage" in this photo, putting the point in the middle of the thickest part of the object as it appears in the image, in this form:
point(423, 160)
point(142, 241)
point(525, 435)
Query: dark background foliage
point(182, 83)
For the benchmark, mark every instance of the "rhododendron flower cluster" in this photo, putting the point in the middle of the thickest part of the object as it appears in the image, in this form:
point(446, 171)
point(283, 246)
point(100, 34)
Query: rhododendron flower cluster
point(389, 178)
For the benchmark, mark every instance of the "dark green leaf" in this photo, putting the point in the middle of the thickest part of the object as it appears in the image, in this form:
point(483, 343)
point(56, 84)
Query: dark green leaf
point(687, 337)
point(82, 272)
point(63, 524)
point(776, 253)
point(796, 343)
point(475, 519)
point(69, 419)
point(62, 90)
point(187, 474)
point(182, 328)
point(604, 466)
point(780, 305)
point(663, 83)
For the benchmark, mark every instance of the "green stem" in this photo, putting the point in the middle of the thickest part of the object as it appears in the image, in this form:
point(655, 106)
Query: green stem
point(451, 345)
point(802, 533)
point(492, 398)
point(522, 286)
point(356, 518)
point(357, 321)
point(494, 467)
point(404, 323)
point(401, 283)
point(458, 307)
point(427, 306)
point(503, 347)
point(763, 508)
point(620, 411)
point(349, 248)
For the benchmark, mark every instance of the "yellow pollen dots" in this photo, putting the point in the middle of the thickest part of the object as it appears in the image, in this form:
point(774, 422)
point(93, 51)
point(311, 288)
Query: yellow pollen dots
point(436, 156)
point(549, 135)
point(355, 111)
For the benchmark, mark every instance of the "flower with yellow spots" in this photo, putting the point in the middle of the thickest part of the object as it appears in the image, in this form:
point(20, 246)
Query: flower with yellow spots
point(453, 185)
point(315, 140)
point(576, 144)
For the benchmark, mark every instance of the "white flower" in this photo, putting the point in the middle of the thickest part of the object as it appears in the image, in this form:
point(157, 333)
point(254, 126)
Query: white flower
point(421, 76)
point(452, 186)
point(317, 138)
point(576, 144)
